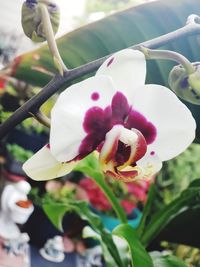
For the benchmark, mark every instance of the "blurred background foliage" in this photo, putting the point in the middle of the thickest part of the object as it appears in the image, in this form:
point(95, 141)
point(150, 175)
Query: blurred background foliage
point(177, 173)
point(109, 6)
point(96, 40)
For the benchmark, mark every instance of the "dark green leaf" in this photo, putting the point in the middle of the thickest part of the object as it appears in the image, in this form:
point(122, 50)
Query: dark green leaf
point(147, 209)
point(189, 198)
point(183, 229)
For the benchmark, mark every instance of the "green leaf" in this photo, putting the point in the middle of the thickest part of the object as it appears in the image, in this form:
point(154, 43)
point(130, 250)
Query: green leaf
point(147, 209)
point(55, 213)
point(139, 256)
point(189, 198)
point(160, 260)
point(88, 232)
point(183, 229)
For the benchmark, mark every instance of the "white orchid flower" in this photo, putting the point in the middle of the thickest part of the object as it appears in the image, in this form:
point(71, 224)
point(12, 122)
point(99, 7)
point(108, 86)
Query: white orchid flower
point(133, 126)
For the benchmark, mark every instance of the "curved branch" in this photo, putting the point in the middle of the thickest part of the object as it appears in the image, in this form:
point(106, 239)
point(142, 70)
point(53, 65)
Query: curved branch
point(191, 28)
point(43, 119)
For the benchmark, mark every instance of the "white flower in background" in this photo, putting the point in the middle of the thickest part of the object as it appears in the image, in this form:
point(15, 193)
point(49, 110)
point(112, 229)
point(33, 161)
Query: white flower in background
point(133, 126)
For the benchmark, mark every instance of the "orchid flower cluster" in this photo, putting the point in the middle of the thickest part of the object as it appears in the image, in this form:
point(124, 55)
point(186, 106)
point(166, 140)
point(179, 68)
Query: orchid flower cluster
point(132, 126)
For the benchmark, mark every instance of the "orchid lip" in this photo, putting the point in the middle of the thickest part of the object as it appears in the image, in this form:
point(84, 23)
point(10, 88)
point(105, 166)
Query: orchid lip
point(121, 149)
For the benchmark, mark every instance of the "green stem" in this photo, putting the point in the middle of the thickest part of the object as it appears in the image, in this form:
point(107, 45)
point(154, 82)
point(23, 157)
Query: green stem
point(99, 178)
point(146, 211)
point(170, 55)
point(112, 199)
point(49, 34)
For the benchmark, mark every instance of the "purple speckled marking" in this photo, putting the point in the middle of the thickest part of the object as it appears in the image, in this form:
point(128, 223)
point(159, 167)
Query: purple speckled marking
point(98, 122)
point(95, 96)
point(152, 153)
point(184, 83)
point(48, 146)
point(110, 62)
point(31, 3)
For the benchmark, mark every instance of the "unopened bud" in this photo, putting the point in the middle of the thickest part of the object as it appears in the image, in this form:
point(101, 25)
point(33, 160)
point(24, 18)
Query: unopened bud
point(186, 86)
point(32, 18)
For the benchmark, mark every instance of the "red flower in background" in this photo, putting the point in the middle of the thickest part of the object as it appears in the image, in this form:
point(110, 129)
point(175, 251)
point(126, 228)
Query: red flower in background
point(2, 85)
point(128, 205)
point(95, 195)
point(139, 190)
point(128, 194)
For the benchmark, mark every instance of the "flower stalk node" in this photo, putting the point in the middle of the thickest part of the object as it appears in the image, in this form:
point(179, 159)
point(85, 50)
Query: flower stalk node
point(168, 55)
point(40, 22)
point(186, 86)
point(193, 19)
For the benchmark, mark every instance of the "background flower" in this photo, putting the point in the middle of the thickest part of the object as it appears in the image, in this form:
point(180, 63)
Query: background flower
point(129, 195)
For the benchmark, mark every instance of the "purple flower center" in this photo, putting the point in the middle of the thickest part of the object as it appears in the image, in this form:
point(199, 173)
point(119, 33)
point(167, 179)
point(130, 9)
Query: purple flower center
point(98, 122)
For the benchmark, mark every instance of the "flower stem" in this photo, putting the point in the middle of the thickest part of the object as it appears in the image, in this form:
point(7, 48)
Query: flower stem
point(90, 166)
point(40, 117)
point(147, 209)
point(112, 199)
point(169, 55)
point(49, 34)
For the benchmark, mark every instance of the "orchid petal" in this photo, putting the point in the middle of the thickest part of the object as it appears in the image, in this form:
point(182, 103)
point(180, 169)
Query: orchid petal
point(175, 126)
point(43, 166)
point(127, 68)
point(67, 117)
point(150, 165)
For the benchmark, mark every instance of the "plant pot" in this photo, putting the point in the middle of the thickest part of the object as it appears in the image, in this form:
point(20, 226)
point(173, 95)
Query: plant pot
point(110, 222)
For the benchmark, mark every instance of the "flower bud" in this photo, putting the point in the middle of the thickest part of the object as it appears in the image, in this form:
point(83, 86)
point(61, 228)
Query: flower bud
point(186, 86)
point(32, 19)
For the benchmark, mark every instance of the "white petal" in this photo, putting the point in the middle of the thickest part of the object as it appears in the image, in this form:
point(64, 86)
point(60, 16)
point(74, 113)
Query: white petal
point(172, 119)
point(127, 68)
point(43, 166)
point(68, 114)
point(150, 164)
